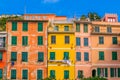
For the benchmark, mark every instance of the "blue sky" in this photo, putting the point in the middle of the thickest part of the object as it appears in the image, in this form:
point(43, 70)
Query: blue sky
point(60, 7)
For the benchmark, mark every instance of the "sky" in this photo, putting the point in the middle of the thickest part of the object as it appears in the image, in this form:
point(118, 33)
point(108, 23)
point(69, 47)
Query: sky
point(67, 8)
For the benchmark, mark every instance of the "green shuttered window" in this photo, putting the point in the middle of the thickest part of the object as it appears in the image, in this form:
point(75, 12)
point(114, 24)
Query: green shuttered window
point(66, 28)
point(114, 55)
point(77, 27)
point(39, 74)
point(52, 74)
point(40, 56)
point(1, 53)
point(24, 40)
point(1, 73)
point(67, 39)
point(114, 40)
point(102, 72)
point(112, 72)
point(101, 55)
point(66, 74)
point(25, 74)
point(24, 56)
point(13, 56)
point(119, 72)
point(14, 40)
point(40, 40)
point(25, 26)
point(80, 74)
point(52, 55)
point(85, 28)
point(78, 56)
point(86, 56)
point(78, 41)
point(85, 41)
point(101, 40)
point(13, 74)
point(14, 26)
point(40, 26)
point(53, 39)
point(66, 55)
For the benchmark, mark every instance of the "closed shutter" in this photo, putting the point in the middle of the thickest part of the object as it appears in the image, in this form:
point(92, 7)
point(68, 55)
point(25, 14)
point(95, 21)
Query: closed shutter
point(77, 27)
point(14, 40)
point(78, 56)
point(101, 55)
point(98, 71)
point(114, 39)
point(66, 55)
point(66, 74)
point(112, 72)
point(40, 56)
point(114, 55)
point(52, 74)
point(86, 56)
point(77, 41)
point(118, 72)
point(4, 41)
point(25, 40)
point(52, 55)
point(39, 74)
point(0, 56)
point(85, 28)
point(24, 56)
point(106, 72)
point(13, 74)
point(40, 40)
point(14, 26)
point(40, 26)
point(25, 26)
point(13, 56)
point(25, 74)
point(85, 41)
point(1, 73)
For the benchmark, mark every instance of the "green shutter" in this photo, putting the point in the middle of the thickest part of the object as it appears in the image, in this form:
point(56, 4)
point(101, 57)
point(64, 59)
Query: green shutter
point(14, 26)
point(101, 40)
point(14, 40)
point(52, 74)
point(25, 26)
point(52, 55)
point(40, 56)
point(1, 56)
point(39, 74)
point(40, 26)
point(114, 40)
point(40, 40)
point(114, 55)
point(98, 71)
point(86, 56)
point(1, 73)
point(101, 55)
point(78, 56)
point(13, 74)
point(85, 41)
point(106, 72)
point(77, 41)
point(112, 72)
point(25, 74)
point(66, 74)
point(4, 41)
point(85, 28)
point(66, 28)
point(24, 56)
point(13, 56)
point(25, 40)
point(118, 72)
point(77, 27)
point(66, 55)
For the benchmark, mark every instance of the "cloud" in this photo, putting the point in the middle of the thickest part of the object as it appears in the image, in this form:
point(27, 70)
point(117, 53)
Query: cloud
point(50, 1)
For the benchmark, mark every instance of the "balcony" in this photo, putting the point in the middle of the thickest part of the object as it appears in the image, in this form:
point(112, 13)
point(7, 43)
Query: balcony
point(3, 40)
point(68, 62)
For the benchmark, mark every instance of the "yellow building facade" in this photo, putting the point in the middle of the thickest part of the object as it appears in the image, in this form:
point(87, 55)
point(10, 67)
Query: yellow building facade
point(61, 49)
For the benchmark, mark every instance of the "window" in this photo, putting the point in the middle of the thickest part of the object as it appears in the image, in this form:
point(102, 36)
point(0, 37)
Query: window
point(66, 55)
point(24, 56)
point(56, 28)
point(101, 40)
point(114, 40)
point(53, 39)
point(1, 53)
point(66, 74)
point(24, 40)
point(40, 26)
point(66, 28)
point(13, 56)
point(1, 72)
point(85, 41)
point(97, 29)
point(114, 55)
point(78, 41)
point(25, 26)
point(14, 40)
point(39, 74)
point(2, 42)
point(52, 74)
point(40, 56)
point(77, 27)
point(86, 56)
point(109, 30)
point(101, 55)
point(13, 74)
point(78, 56)
point(67, 39)
point(14, 26)
point(80, 74)
point(102, 72)
point(85, 28)
point(25, 74)
point(114, 72)
point(40, 40)
point(52, 55)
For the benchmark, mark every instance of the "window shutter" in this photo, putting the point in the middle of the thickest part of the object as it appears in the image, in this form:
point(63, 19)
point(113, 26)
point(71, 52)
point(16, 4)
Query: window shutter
point(14, 26)
point(66, 55)
point(1, 73)
point(66, 74)
point(52, 74)
point(85, 28)
point(25, 40)
point(24, 56)
point(52, 55)
point(13, 74)
point(25, 74)
point(118, 72)
point(0, 55)
point(40, 26)
point(77, 41)
point(98, 71)
point(40, 40)
point(40, 56)
point(25, 26)
point(14, 40)
point(78, 56)
point(77, 27)
point(106, 72)
point(101, 55)
point(85, 41)
point(39, 74)
point(86, 56)
point(13, 56)
point(112, 72)
point(114, 55)
point(4, 41)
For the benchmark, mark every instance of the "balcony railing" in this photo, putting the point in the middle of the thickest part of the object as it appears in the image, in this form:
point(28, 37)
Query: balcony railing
point(61, 31)
point(60, 61)
point(2, 46)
